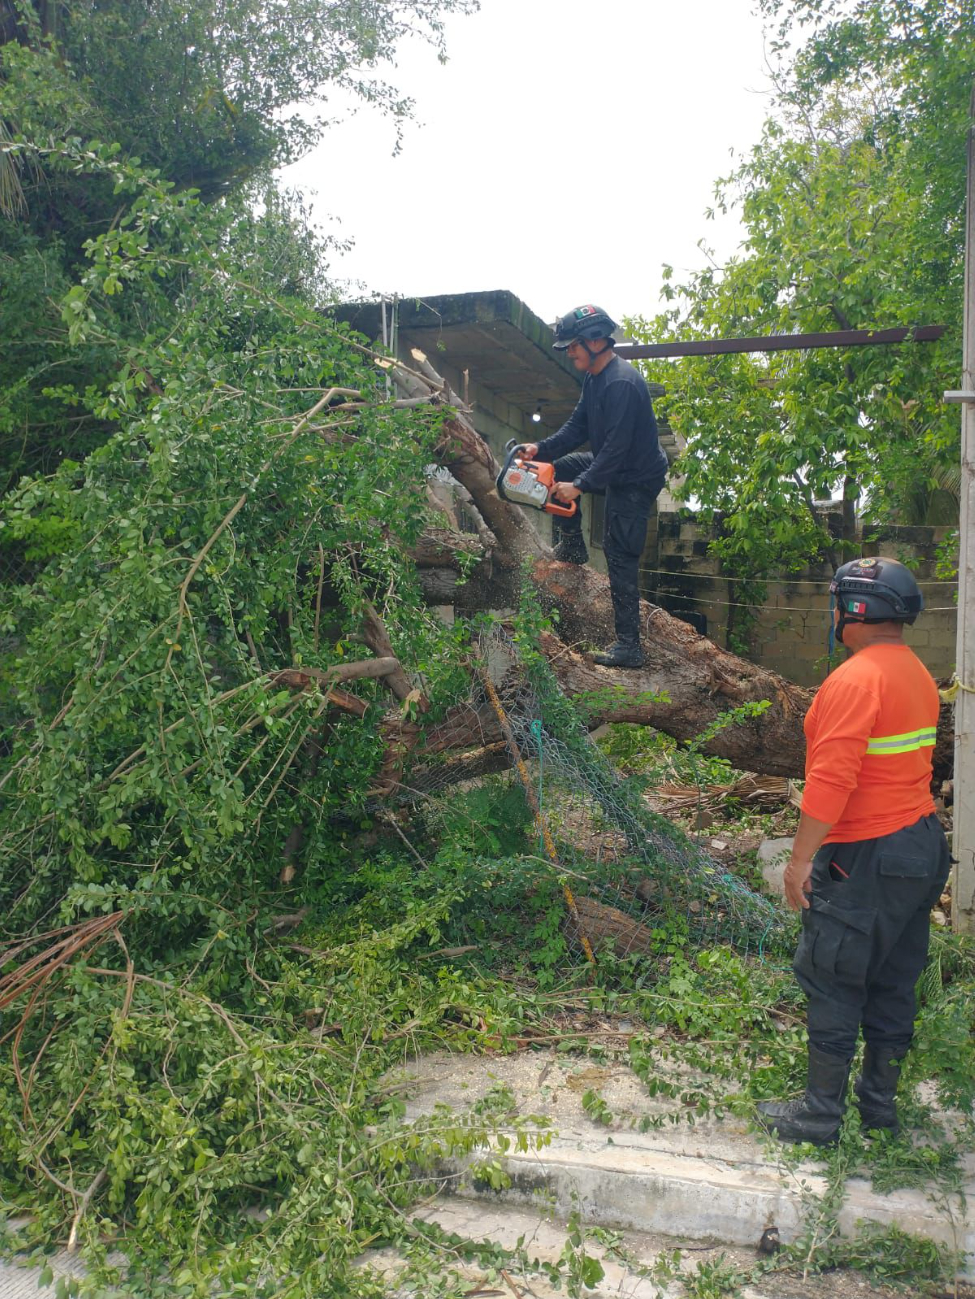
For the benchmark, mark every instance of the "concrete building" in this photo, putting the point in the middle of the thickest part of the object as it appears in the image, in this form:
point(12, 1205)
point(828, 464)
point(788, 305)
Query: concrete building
point(497, 353)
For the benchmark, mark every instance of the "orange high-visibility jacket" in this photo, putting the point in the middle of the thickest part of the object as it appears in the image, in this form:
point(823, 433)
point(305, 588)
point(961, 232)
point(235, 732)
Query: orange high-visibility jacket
point(870, 737)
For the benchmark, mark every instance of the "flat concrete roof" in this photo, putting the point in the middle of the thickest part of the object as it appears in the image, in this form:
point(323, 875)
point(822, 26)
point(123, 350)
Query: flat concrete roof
point(504, 345)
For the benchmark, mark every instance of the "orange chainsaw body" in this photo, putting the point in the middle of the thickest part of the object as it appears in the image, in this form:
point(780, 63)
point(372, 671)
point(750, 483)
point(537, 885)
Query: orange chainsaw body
point(530, 482)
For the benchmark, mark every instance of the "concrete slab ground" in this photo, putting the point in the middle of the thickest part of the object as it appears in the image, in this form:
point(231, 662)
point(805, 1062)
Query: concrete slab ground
point(19, 1282)
point(629, 1260)
point(709, 1187)
point(645, 1167)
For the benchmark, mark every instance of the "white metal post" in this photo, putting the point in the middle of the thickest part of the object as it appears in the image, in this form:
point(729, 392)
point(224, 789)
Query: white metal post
point(963, 879)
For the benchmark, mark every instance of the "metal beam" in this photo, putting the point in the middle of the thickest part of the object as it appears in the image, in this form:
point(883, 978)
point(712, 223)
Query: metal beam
point(782, 342)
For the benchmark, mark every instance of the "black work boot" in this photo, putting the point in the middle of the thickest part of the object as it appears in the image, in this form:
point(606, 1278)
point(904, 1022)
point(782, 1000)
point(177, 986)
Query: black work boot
point(876, 1088)
point(624, 653)
point(817, 1115)
point(568, 545)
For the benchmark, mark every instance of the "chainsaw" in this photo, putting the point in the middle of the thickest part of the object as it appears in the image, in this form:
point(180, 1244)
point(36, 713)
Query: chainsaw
point(530, 482)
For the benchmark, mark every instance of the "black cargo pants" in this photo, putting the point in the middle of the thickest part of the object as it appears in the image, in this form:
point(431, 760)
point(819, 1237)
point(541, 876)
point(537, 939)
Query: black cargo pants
point(865, 937)
point(625, 535)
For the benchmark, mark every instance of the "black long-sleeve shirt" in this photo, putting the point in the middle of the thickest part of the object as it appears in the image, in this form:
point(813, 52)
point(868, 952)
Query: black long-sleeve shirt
point(615, 416)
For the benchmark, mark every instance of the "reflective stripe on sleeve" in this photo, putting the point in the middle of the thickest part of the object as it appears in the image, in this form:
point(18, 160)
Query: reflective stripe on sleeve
point(909, 742)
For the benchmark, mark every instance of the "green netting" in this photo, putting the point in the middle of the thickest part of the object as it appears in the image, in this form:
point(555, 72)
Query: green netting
point(625, 868)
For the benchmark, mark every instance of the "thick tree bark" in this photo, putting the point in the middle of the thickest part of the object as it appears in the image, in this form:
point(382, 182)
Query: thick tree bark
point(679, 662)
point(700, 681)
point(683, 689)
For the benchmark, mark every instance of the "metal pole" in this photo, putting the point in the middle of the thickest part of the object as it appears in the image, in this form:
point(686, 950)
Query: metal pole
point(963, 879)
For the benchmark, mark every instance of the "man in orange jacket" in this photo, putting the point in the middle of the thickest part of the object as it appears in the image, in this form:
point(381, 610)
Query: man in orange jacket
point(870, 858)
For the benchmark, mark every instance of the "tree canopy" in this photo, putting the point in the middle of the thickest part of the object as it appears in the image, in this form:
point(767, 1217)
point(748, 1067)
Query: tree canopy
point(208, 96)
point(853, 209)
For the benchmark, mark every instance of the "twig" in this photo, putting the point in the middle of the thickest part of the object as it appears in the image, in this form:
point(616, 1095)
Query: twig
point(519, 1294)
point(130, 976)
point(62, 1186)
point(281, 924)
point(306, 951)
point(449, 952)
point(80, 1213)
point(318, 595)
point(62, 714)
point(391, 820)
point(29, 754)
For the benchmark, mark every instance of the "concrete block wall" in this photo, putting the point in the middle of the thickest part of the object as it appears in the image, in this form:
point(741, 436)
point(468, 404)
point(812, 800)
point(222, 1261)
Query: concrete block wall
point(790, 635)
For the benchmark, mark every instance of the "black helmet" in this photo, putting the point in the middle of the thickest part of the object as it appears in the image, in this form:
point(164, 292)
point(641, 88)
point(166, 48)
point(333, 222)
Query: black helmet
point(583, 322)
point(876, 590)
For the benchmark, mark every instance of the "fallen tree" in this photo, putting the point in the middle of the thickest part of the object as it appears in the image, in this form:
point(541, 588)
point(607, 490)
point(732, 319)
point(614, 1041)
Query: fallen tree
point(189, 626)
point(225, 679)
point(688, 681)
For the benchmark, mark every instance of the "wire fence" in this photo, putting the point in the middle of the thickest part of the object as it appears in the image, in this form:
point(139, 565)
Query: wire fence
point(623, 869)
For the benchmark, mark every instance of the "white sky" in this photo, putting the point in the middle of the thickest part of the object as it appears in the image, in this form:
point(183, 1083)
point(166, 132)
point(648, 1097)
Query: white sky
point(565, 152)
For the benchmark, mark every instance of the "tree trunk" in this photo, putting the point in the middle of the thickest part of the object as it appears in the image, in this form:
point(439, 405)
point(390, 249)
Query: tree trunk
point(684, 688)
point(687, 683)
point(691, 681)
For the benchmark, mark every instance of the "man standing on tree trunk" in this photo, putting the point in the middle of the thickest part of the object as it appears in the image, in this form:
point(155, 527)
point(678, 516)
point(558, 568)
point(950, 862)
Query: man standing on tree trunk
point(615, 416)
point(869, 859)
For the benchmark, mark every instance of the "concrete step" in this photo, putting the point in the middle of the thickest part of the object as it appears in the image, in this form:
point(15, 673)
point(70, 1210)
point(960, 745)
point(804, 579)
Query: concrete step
point(710, 1187)
point(630, 1262)
point(542, 1237)
point(713, 1179)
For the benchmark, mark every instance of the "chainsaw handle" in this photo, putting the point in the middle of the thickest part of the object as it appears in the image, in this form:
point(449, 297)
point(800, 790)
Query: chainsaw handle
point(511, 453)
point(563, 511)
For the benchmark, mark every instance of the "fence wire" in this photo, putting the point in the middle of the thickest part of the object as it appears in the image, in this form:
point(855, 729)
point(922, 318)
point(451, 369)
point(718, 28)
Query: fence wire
point(623, 868)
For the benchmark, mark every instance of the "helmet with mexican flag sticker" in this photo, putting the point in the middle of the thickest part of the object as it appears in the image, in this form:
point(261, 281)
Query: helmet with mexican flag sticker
point(876, 590)
point(586, 322)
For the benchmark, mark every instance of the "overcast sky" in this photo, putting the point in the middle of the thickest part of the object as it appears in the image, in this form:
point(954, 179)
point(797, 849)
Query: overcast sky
point(566, 150)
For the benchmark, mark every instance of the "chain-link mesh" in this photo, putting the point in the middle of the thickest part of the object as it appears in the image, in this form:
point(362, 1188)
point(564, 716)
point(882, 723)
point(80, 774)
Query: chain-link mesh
point(623, 868)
